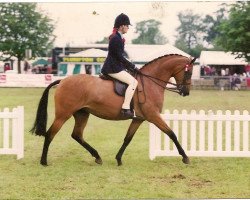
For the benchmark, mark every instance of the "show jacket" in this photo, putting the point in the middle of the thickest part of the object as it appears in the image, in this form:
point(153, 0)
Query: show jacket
point(115, 61)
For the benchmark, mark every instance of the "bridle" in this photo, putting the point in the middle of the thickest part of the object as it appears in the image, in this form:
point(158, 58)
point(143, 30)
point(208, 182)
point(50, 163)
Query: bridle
point(178, 88)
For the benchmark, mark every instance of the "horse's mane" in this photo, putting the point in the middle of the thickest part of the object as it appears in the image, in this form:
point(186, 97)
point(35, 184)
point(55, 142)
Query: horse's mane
point(160, 58)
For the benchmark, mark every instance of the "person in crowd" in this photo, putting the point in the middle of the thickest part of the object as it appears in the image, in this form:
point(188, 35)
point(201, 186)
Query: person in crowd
point(26, 66)
point(223, 72)
point(6, 67)
point(207, 70)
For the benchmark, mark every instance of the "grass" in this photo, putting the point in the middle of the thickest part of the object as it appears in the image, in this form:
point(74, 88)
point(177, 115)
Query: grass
point(73, 174)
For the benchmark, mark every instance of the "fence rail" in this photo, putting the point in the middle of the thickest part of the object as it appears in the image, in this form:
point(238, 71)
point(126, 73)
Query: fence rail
point(12, 131)
point(203, 134)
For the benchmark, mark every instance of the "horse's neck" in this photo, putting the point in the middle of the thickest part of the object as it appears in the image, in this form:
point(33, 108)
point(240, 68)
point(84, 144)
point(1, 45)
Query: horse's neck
point(156, 70)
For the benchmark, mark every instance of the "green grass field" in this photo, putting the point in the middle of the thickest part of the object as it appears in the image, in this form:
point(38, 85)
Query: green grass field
point(73, 174)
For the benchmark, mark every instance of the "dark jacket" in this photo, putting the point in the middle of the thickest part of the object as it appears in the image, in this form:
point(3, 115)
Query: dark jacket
point(115, 61)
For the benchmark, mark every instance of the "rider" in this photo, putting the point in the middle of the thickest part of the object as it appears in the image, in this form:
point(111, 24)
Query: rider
point(115, 63)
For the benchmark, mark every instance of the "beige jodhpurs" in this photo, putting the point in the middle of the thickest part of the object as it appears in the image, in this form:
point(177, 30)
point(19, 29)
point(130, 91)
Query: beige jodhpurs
point(125, 77)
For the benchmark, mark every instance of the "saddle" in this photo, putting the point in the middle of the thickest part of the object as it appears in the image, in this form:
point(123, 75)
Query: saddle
point(119, 87)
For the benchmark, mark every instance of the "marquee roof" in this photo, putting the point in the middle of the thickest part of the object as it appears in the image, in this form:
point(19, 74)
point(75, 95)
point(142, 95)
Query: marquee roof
point(220, 58)
point(90, 53)
point(136, 53)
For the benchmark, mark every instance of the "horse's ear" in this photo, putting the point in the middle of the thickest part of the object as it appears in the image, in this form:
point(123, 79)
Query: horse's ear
point(193, 60)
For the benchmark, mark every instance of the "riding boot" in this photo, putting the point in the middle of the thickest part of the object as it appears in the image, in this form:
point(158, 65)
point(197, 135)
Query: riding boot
point(127, 113)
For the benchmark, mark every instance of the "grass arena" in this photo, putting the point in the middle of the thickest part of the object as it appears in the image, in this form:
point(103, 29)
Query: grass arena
point(73, 174)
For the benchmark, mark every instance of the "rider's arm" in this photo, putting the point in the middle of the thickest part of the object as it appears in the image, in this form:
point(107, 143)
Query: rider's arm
point(117, 51)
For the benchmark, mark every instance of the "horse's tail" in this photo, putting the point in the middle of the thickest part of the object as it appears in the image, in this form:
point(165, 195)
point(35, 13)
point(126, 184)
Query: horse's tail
point(40, 123)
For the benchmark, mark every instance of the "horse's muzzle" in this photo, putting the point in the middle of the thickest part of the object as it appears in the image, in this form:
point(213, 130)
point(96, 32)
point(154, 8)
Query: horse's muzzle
point(183, 91)
point(185, 94)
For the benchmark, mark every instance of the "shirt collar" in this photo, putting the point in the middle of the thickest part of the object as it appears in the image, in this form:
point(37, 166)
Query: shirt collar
point(120, 34)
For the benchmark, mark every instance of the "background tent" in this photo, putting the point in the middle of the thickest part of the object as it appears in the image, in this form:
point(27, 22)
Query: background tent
point(220, 58)
point(41, 61)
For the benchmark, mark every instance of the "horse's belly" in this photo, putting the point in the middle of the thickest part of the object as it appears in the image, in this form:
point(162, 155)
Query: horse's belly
point(107, 113)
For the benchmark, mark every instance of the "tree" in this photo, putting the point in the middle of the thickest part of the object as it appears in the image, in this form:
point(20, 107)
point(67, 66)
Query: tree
point(149, 33)
point(190, 28)
point(22, 27)
point(235, 31)
point(194, 51)
point(105, 40)
point(211, 25)
point(190, 33)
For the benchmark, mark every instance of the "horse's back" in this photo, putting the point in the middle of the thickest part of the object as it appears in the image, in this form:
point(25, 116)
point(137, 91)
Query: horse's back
point(78, 85)
point(88, 92)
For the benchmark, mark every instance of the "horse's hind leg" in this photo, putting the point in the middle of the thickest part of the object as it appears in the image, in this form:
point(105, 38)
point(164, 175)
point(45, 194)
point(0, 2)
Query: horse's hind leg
point(129, 136)
point(50, 134)
point(159, 122)
point(81, 118)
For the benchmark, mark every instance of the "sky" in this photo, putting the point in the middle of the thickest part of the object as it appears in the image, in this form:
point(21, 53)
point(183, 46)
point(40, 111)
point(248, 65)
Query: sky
point(81, 23)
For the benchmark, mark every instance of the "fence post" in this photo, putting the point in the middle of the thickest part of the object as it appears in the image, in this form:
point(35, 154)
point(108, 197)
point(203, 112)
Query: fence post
point(245, 132)
point(13, 127)
point(20, 137)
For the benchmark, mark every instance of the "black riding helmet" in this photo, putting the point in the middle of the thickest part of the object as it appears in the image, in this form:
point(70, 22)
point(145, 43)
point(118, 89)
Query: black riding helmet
point(120, 20)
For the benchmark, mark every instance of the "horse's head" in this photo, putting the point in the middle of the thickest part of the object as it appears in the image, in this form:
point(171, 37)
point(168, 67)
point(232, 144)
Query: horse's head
point(183, 77)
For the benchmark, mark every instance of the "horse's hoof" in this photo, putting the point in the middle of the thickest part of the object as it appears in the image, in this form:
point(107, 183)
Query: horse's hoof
point(98, 161)
point(186, 160)
point(119, 163)
point(44, 164)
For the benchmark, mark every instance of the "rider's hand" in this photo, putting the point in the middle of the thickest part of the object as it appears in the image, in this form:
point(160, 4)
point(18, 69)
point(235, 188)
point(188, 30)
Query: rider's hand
point(135, 69)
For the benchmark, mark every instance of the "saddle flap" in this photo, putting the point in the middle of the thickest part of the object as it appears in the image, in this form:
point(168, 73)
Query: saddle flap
point(119, 87)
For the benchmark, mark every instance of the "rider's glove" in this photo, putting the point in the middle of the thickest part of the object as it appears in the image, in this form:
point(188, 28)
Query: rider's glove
point(135, 69)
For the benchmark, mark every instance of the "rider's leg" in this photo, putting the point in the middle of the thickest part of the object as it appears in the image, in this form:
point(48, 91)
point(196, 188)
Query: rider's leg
point(125, 77)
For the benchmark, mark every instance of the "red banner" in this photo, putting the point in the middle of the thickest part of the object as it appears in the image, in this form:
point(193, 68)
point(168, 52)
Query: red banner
point(2, 78)
point(48, 78)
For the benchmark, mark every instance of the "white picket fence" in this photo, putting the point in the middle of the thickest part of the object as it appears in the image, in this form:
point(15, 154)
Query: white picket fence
point(12, 131)
point(203, 134)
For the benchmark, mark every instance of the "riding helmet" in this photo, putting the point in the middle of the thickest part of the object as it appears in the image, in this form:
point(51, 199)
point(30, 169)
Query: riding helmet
point(120, 20)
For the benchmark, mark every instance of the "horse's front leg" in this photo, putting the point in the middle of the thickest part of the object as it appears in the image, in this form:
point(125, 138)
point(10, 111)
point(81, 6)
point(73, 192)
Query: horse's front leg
point(130, 133)
point(160, 123)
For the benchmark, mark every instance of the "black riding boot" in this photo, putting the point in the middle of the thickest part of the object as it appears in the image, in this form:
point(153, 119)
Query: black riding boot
point(127, 113)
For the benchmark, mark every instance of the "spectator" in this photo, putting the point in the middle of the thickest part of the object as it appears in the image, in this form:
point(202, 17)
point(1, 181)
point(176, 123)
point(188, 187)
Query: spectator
point(207, 70)
point(236, 82)
point(202, 70)
point(213, 71)
point(6, 67)
point(26, 67)
point(223, 72)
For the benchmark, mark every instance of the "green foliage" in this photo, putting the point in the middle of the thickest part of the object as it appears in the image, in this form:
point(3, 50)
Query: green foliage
point(211, 24)
point(195, 51)
point(149, 33)
point(190, 28)
point(190, 33)
point(105, 40)
point(235, 31)
point(22, 27)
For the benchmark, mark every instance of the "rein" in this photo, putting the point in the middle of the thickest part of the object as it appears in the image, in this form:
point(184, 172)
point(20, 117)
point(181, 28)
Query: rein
point(165, 82)
point(177, 86)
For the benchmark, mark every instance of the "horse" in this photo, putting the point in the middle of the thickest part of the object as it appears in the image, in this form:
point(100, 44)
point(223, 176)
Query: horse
point(81, 95)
